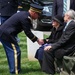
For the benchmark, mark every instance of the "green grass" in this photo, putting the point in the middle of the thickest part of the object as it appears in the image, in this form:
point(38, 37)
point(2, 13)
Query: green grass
point(28, 67)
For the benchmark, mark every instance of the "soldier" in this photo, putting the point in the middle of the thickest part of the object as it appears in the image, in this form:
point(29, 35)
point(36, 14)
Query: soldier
point(8, 8)
point(14, 25)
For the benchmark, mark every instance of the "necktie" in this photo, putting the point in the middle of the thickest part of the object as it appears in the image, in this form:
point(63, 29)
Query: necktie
point(64, 6)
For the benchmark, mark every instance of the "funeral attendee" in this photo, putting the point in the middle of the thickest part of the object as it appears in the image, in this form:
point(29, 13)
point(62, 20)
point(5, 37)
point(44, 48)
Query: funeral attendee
point(56, 32)
point(61, 6)
point(64, 47)
point(8, 8)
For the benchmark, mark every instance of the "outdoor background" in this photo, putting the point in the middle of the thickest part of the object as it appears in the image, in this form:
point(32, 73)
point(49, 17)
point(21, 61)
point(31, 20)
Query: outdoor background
point(28, 67)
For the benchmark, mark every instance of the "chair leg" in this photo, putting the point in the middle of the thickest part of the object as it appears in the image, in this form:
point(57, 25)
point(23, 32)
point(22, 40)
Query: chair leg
point(59, 66)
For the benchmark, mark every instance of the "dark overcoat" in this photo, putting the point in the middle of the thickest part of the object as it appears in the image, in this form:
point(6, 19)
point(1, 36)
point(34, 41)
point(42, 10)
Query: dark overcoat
point(54, 37)
point(55, 34)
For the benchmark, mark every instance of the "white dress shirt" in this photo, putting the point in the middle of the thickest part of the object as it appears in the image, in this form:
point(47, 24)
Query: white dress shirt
point(68, 4)
point(67, 25)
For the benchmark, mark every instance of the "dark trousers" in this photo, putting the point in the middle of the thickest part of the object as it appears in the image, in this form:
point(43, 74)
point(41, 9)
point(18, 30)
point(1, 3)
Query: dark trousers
point(48, 62)
point(13, 54)
point(39, 53)
point(49, 58)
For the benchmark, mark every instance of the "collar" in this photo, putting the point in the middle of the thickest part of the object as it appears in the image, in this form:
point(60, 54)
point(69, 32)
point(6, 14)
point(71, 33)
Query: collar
point(69, 22)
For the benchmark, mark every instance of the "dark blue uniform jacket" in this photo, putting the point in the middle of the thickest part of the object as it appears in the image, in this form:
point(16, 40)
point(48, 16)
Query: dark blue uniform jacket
point(9, 7)
point(14, 25)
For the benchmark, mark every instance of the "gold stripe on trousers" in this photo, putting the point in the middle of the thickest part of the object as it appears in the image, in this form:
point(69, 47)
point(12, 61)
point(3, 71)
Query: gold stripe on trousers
point(15, 56)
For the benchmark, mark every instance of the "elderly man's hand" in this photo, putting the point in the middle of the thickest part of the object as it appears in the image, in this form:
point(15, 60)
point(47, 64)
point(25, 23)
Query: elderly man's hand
point(47, 48)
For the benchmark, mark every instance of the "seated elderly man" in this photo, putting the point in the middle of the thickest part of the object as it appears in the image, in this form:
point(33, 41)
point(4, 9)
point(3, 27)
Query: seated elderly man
point(64, 46)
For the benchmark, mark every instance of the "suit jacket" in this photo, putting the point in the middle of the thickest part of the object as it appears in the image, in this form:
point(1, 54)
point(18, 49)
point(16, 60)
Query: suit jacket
point(66, 43)
point(14, 25)
point(9, 7)
point(58, 7)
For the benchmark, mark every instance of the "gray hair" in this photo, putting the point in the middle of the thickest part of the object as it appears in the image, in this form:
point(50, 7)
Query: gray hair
point(71, 13)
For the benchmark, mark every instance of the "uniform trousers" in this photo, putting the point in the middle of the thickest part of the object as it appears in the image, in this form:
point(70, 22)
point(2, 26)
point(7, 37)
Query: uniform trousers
point(13, 54)
point(48, 62)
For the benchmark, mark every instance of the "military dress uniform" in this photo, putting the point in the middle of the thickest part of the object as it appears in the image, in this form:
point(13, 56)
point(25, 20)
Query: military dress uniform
point(14, 25)
point(8, 8)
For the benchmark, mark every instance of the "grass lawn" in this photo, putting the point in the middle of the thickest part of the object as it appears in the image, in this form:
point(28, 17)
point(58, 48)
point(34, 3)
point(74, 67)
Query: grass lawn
point(28, 67)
